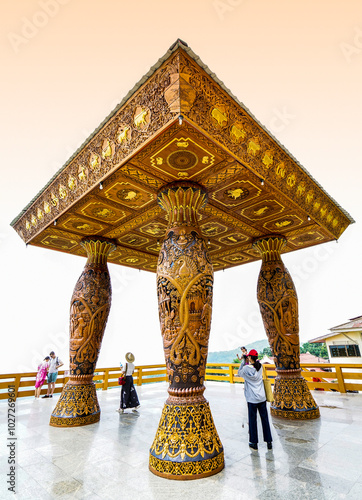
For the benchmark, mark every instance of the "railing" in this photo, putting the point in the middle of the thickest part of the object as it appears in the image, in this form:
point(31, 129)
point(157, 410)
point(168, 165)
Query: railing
point(339, 378)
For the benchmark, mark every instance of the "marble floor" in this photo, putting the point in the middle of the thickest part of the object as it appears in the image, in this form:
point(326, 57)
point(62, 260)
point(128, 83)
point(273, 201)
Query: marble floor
point(310, 460)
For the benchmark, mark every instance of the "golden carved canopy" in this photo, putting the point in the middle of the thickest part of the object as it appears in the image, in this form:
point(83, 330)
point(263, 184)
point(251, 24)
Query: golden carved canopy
point(180, 123)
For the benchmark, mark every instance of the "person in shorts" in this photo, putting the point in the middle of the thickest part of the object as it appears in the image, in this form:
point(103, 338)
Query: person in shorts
point(54, 364)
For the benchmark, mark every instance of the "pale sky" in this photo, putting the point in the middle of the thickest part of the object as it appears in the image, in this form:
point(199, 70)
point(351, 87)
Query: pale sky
point(67, 63)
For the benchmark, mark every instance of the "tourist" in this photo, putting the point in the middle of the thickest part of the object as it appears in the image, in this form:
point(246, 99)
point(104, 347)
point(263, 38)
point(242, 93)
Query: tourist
point(129, 398)
point(54, 364)
point(316, 379)
point(41, 376)
point(256, 399)
point(244, 355)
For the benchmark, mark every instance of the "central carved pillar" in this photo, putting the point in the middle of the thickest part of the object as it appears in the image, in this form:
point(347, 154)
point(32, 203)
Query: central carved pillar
point(89, 309)
point(278, 304)
point(186, 445)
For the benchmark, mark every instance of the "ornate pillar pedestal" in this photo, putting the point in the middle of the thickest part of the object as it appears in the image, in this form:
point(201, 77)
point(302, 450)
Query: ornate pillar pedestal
point(89, 309)
point(186, 445)
point(278, 304)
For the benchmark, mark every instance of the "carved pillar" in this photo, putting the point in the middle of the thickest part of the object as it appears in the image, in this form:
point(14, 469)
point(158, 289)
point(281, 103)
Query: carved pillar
point(278, 304)
point(186, 445)
point(89, 309)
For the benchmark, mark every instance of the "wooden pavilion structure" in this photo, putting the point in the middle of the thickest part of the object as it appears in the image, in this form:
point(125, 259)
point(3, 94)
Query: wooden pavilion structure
point(181, 180)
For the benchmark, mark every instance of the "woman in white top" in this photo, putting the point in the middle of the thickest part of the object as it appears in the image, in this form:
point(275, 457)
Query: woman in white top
point(256, 399)
point(129, 398)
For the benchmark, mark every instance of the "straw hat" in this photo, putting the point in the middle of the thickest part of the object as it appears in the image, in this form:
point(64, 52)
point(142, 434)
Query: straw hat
point(129, 357)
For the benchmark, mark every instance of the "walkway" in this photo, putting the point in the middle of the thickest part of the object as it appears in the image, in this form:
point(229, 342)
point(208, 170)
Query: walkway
point(109, 460)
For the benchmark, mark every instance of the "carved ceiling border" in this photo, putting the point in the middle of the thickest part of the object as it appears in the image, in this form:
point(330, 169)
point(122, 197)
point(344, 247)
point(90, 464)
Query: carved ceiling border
point(141, 117)
point(213, 110)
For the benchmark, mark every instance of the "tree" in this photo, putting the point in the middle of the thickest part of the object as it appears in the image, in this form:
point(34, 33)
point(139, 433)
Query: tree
point(317, 349)
point(265, 352)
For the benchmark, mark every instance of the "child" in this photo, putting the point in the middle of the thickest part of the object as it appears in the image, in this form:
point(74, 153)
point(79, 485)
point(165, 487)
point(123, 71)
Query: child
point(41, 375)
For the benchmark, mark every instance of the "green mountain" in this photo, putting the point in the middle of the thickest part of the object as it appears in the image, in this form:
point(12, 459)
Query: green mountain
point(229, 356)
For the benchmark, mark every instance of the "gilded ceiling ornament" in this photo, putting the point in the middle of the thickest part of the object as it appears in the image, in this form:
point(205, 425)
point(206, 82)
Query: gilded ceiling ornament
point(123, 134)
point(54, 200)
point(237, 193)
point(128, 195)
point(291, 180)
point(94, 161)
point(103, 213)
point(219, 116)
point(34, 222)
point(142, 117)
point(323, 211)
point(82, 173)
point(281, 170)
point(237, 133)
point(283, 223)
point(268, 159)
point(27, 225)
point(40, 214)
point(316, 205)
point(253, 146)
point(262, 210)
point(309, 197)
point(47, 207)
point(182, 160)
point(82, 226)
point(62, 192)
point(301, 188)
point(107, 149)
point(72, 182)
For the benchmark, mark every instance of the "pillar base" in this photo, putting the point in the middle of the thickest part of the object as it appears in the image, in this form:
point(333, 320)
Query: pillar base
point(77, 405)
point(186, 445)
point(293, 400)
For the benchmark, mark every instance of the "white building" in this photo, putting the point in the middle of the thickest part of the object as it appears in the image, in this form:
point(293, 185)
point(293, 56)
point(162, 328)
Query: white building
point(344, 343)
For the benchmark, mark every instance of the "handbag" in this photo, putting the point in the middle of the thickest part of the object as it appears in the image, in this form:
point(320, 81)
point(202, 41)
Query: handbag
point(122, 379)
point(267, 387)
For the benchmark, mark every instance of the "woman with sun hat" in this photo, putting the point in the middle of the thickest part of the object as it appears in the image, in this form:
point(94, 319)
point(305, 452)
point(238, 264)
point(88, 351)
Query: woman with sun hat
point(129, 398)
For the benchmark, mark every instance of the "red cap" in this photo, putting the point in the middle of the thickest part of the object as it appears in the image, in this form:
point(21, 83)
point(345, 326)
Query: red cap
point(253, 352)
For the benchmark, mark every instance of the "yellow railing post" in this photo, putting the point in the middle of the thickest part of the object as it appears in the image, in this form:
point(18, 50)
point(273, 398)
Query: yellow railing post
point(340, 379)
point(17, 384)
point(105, 379)
point(231, 374)
point(139, 379)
